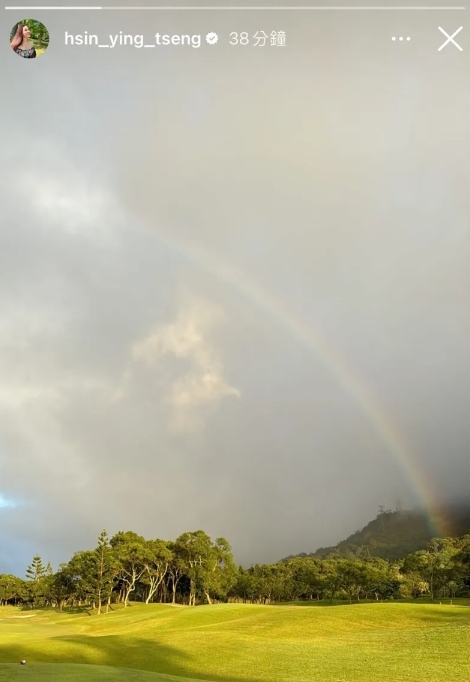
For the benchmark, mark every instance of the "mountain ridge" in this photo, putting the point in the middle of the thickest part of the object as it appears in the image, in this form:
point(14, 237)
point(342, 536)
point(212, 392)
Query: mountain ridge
point(394, 534)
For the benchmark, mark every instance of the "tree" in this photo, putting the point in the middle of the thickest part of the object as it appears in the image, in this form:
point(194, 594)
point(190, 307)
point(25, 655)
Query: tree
point(82, 572)
point(176, 566)
point(415, 568)
point(106, 571)
point(62, 586)
point(12, 589)
point(330, 579)
point(352, 577)
point(242, 588)
point(36, 570)
point(217, 571)
point(156, 561)
point(461, 570)
point(196, 550)
point(130, 552)
point(35, 574)
point(441, 552)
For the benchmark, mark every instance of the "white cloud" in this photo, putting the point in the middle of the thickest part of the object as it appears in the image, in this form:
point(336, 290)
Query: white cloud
point(202, 385)
point(62, 193)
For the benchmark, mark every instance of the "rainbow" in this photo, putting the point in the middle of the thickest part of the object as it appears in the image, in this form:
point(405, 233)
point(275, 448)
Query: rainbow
point(351, 383)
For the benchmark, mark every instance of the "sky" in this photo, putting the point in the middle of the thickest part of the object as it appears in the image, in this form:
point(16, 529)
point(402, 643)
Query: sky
point(207, 256)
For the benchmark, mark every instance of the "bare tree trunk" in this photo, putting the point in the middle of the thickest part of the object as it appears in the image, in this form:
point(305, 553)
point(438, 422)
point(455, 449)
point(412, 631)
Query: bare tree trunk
point(153, 587)
point(174, 585)
point(208, 597)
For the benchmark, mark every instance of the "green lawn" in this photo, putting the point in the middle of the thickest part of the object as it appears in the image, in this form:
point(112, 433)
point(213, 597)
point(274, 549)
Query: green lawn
point(393, 642)
point(70, 672)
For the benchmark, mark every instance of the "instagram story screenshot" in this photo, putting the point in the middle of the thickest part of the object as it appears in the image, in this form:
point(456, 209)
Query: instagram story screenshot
point(235, 341)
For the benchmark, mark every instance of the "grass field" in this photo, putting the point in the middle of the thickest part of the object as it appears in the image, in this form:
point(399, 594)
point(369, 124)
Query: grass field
point(393, 642)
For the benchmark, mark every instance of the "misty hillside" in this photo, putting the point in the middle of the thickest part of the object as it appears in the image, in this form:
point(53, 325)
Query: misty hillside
point(394, 534)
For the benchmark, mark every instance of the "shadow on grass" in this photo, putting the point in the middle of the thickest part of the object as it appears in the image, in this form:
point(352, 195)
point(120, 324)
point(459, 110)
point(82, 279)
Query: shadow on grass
point(66, 610)
point(441, 615)
point(76, 610)
point(113, 650)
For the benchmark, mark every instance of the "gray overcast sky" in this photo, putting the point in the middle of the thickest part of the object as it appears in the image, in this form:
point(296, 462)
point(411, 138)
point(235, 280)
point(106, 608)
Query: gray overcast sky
point(171, 219)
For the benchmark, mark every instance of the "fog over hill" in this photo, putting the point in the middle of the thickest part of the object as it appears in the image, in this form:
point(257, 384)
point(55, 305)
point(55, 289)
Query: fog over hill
point(395, 533)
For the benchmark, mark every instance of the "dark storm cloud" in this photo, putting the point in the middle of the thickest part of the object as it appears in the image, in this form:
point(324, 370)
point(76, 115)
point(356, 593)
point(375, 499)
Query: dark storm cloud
point(165, 212)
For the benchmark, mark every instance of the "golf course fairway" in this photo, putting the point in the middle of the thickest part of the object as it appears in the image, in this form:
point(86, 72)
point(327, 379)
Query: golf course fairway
point(239, 643)
point(70, 672)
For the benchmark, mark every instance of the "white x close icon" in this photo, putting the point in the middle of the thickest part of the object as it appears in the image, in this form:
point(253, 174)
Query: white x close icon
point(450, 39)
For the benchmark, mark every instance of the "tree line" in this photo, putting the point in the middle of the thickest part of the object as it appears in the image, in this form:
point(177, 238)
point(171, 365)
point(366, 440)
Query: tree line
point(193, 570)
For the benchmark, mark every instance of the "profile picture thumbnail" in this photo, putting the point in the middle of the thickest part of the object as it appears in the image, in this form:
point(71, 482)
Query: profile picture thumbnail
point(29, 38)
